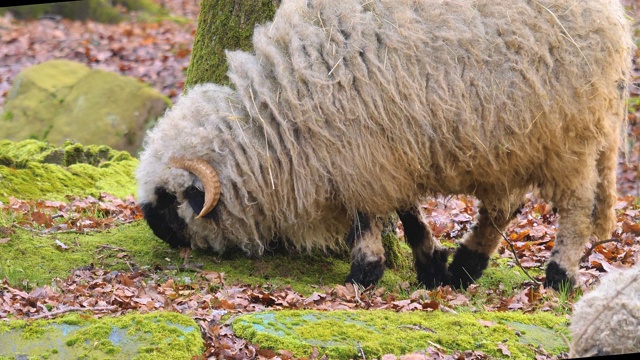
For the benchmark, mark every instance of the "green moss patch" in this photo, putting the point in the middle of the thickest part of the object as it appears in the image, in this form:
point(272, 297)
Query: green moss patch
point(34, 169)
point(500, 273)
point(341, 334)
point(29, 259)
point(158, 335)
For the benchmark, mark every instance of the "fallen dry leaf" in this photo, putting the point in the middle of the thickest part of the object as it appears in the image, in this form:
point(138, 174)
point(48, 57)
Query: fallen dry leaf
point(503, 348)
point(60, 245)
point(486, 323)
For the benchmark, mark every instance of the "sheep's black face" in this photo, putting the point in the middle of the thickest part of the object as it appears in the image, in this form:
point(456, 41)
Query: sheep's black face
point(162, 217)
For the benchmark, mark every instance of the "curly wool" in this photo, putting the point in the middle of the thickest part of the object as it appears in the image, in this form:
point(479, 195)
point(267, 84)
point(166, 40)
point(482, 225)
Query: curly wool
point(371, 105)
point(606, 320)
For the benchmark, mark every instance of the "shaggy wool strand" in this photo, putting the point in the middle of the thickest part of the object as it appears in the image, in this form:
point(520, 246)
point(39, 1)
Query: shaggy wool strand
point(606, 320)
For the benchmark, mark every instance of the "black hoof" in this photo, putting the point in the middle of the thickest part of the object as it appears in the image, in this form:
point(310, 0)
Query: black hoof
point(432, 272)
point(467, 266)
point(365, 273)
point(557, 277)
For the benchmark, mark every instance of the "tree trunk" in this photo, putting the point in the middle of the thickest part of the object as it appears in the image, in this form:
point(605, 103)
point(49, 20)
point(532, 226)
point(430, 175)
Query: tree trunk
point(224, 25)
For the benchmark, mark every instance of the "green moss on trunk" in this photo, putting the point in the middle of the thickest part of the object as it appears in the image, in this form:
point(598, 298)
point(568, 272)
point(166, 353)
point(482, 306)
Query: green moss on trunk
point(397, 254)
point(224, 25)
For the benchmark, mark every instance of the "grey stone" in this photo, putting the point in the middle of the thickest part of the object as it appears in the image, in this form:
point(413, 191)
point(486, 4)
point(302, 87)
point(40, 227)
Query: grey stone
point(64, 100)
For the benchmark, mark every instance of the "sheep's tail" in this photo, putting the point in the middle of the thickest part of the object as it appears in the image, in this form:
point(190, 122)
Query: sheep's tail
point(604, 216)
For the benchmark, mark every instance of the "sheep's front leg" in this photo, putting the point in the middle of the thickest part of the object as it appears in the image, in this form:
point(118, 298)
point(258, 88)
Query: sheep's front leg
point(472, 256)
point(430, 260)
point(367, 252)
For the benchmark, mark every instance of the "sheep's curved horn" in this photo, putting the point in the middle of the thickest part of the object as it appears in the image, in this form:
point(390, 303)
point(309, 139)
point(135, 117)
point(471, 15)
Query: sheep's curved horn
point(207, 175)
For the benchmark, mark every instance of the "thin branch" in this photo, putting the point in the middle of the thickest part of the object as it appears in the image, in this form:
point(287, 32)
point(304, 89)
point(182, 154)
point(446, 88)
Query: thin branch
point(71, 309)
point(515, 255)
point(447, 310)
point(361, 351)
point(586, 255)
point(186, 267)
point(52, 230)
point(111, 247)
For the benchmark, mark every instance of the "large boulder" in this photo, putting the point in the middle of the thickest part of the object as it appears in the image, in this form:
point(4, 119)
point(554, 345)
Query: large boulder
point(63, 100)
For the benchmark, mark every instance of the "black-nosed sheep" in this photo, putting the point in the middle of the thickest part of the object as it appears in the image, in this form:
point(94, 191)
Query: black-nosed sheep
point(348, 110)
point(606, 320)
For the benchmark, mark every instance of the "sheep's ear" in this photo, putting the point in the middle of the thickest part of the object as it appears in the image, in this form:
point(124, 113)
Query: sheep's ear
point(163, 219)
point(196, 199)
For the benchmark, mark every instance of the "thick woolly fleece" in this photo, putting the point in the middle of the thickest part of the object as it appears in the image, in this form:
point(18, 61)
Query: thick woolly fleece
point(368, 106)
point(606, 320)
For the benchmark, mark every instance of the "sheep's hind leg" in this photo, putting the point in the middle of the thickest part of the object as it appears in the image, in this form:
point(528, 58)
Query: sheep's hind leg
point(430, 260)
point(472, 256)
point(604, 215)
point(574, 229)
point(574, 197)
point(367, 252)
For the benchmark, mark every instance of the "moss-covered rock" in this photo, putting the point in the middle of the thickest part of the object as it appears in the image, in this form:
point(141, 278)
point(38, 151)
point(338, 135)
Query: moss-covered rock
point(341, 334)
point(159, 335)
point(63, 100)
point(33, 169)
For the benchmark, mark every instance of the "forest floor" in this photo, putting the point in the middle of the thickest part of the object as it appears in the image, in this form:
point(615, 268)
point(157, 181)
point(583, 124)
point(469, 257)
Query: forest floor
point(158, 53)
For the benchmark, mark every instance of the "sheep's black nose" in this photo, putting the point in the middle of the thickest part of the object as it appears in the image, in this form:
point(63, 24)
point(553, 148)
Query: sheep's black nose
point(162, 217)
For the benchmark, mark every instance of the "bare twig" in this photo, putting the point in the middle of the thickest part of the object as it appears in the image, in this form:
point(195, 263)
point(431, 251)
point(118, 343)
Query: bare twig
point(513, 250)
point(111, 247)
point(417, 328)
point(73, 308)
point(361, 351)
point(586, 255)
point(447, 310)
point(186, 267)
point(357, 296)
point(53, 229)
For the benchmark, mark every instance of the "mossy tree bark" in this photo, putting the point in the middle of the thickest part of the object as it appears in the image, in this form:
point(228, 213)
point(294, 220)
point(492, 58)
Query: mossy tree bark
point(224, 25)
point(228, 25)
